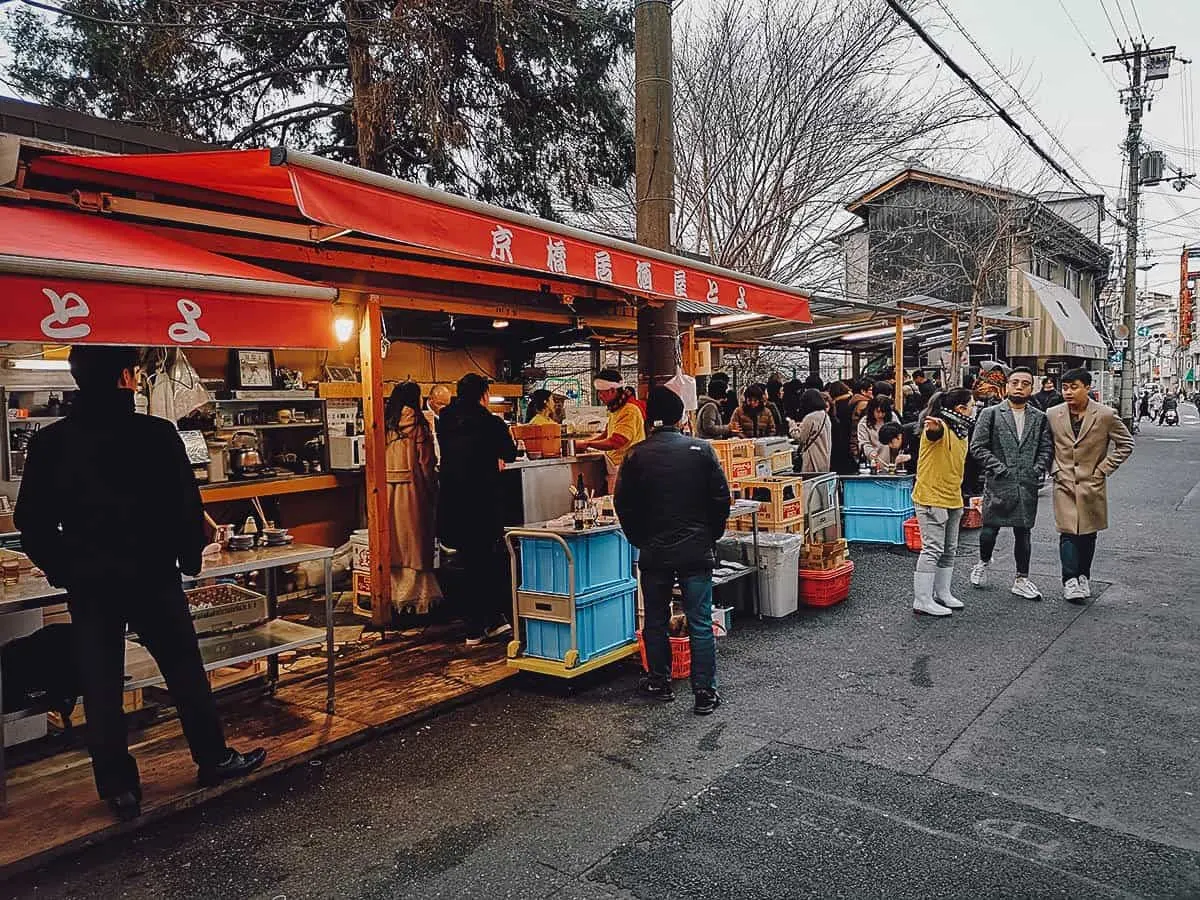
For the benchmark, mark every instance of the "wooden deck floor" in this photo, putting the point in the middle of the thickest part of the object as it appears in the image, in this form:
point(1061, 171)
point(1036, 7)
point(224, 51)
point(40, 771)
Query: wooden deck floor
point(53, 808)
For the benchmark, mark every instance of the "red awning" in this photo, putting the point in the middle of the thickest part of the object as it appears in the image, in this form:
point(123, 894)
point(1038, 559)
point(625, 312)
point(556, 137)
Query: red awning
point(354, 199)
point(70, 277)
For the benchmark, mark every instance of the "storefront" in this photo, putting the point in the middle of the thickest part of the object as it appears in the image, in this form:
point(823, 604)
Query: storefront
point(296, 292)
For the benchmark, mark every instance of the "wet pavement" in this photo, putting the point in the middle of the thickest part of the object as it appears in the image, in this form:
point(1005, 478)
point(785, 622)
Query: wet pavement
point(1016, 749)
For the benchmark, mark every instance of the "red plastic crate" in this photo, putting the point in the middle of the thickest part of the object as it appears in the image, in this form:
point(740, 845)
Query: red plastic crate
point(826, 587)
point(681, 656)
point(912, 534)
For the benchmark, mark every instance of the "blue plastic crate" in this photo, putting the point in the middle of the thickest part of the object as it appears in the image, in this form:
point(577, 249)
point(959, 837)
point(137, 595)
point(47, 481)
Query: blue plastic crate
point(605, 619)
point(875, 526)
point(877, 494)
point(601, 559)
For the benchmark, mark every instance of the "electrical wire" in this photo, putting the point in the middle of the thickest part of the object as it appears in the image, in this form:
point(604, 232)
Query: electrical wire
point(1016, 93)
point(1088, 44)
point(982, 93)
point(1116, 35)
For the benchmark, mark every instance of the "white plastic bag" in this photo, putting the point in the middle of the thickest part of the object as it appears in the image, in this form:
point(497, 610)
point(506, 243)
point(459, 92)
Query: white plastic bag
point(177, 389)
point(685, 387)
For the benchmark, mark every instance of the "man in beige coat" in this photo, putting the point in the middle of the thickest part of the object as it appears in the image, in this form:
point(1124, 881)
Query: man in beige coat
point(1090, 443)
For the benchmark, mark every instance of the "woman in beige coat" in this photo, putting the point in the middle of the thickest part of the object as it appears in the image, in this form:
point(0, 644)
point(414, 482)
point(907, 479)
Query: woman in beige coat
point(1090, 442)
point(412, 500)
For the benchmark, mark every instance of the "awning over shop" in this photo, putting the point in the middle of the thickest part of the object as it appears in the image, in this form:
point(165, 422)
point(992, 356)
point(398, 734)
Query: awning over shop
point(67, 277)
point(349, 199)
point(1073, 333)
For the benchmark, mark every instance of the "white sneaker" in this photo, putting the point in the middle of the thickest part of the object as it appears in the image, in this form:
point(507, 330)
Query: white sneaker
point(923, 601)
point(979, 575)
point(1085, 585)
point(1023, 587)
point(941, 589)
point(1072, 591)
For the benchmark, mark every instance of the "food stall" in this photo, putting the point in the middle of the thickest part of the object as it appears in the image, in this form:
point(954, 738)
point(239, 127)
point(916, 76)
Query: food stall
point(260, 272)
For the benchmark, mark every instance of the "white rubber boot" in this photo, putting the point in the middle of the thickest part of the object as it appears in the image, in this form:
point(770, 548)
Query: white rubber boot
point(941, 589)
point(923, 601)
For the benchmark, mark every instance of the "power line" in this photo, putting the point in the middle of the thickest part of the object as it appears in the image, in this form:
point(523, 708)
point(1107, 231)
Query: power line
point(1091, 50)
point(987, 98)
point(1124, 21)
point(1017, 94)
point(1116, 34)
point(1137, 17)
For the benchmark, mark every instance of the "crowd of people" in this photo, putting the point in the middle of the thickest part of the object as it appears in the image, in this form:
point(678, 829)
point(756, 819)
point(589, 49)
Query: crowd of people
point(839, 427)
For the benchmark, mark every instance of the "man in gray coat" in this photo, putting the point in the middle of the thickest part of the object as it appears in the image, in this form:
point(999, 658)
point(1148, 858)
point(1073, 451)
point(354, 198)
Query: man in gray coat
point(1013, 446)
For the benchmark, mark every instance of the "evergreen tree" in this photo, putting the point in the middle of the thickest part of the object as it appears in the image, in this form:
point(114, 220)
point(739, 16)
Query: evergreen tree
point(509, 101)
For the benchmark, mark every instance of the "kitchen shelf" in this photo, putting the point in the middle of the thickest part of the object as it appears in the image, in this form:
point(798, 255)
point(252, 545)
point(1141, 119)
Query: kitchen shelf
point(35, 420)
point(267, 487)
point(270, 427)
point(303, 398)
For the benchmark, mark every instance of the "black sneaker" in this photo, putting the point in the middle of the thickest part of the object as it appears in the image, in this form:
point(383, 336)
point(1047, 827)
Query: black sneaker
point(235, 765)
point(656, 690)
point(126, 806)
point(706, 703)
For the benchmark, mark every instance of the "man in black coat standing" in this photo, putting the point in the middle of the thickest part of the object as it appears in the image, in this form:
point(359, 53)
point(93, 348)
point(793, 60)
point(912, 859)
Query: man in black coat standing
point(673, 502)
point(475, 446)
point(1013, 446)
point(110, 511)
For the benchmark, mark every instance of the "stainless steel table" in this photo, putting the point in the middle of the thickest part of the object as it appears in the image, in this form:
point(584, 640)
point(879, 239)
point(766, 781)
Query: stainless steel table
point(741, 509)
point(219, 650)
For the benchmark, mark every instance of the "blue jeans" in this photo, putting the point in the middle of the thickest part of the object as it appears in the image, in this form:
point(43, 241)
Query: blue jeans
point(697, 588)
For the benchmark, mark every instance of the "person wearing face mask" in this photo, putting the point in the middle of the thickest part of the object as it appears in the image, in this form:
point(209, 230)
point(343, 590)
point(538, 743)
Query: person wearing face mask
point(1012, 444)
point(945, 427)
point(626, 425)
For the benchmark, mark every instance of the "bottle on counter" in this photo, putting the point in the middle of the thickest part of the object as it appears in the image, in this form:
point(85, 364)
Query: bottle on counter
point(579, 504)
point(864, 467)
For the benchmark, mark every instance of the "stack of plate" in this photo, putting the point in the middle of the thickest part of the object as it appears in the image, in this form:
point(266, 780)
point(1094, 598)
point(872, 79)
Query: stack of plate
point(243, 541)
point(277, 537)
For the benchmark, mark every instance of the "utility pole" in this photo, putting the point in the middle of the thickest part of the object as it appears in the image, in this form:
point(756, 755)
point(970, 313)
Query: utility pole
point(654, 134)
point(1158, 67)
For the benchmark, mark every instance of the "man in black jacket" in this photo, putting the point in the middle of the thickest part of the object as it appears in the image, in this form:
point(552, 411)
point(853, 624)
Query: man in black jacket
point(475, 446)
point(673, 502)
point(110, 511)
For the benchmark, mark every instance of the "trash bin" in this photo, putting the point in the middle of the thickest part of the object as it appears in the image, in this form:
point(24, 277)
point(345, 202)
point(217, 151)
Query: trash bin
point(780, 556)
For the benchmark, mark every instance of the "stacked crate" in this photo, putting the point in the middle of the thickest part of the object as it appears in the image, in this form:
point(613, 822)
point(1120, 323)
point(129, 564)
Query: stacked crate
point(736, 456)
point(781, 503)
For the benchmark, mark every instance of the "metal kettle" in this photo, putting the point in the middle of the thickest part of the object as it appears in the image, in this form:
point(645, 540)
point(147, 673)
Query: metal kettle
point(243, 452)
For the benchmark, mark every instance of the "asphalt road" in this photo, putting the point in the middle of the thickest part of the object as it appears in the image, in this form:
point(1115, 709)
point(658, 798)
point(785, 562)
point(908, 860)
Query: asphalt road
point(1015, 750)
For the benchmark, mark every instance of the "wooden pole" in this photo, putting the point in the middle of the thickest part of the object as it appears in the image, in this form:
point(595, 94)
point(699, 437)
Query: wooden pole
point(379, 529)
point(954, 376)
point(654, 137)
point(898, 353)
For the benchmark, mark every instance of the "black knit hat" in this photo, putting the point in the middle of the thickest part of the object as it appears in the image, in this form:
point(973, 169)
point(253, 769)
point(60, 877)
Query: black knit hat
point(664, 408)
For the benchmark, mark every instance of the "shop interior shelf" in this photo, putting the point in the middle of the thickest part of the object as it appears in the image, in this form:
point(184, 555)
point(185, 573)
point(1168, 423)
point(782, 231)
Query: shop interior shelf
point(272, 426)
point(35, 420)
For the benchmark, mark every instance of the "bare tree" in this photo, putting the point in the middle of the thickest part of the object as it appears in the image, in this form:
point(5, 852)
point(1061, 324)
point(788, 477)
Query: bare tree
point(783, 110)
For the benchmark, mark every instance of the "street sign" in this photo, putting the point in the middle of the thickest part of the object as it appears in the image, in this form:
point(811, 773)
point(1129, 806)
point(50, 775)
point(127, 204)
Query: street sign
point(1122, 344)
point(1122, 330)
point(1116, 358)
point(1144, 331)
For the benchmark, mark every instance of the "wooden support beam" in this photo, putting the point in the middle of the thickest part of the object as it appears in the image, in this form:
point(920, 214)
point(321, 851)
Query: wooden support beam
point(378, 514)
point(898, 351)
point(953, 377)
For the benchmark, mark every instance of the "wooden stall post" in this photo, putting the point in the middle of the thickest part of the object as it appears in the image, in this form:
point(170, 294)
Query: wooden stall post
point(954, 376)
point(378, 520)
point(899, 352)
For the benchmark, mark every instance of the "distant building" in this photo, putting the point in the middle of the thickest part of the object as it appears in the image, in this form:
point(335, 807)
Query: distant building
point(961, 241)
point(1156, 340)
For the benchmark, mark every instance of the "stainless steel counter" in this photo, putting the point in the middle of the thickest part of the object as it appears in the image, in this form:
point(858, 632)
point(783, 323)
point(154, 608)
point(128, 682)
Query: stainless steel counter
point(540, 489)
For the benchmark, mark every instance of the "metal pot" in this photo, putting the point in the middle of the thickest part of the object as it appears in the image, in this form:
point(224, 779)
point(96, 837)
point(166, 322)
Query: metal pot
point(243, 452)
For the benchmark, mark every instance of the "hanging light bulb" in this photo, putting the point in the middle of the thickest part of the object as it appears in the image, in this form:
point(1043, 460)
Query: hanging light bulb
point(343, 328)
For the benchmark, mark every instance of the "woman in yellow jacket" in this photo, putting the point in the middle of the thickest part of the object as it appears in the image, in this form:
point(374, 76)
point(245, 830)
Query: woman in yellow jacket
point(946, 426)
point(540, 408)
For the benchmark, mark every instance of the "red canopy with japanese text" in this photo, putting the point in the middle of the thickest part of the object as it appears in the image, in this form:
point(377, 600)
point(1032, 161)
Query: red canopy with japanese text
point(420, 217)
point(71, 277)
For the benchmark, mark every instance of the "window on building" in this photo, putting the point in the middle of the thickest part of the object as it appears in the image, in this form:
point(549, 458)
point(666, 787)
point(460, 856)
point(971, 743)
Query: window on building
point(1072, 280)
point(1041, 266)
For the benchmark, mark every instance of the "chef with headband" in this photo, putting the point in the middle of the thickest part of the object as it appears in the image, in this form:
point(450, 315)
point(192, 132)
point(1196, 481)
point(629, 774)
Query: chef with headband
point(625, 427)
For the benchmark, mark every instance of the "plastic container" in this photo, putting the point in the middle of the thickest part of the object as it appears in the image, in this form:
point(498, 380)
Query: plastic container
point(912, 534)
point(681, 656)
point(780, 557)
point(601, 559)
point(826, 587)
point(973, 514)
point(878, 494)
point(874, 526)
point(605, 619)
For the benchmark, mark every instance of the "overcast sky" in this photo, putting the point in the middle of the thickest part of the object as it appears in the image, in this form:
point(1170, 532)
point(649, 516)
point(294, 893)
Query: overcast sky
point(1073, 95)
point(1076, 95)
